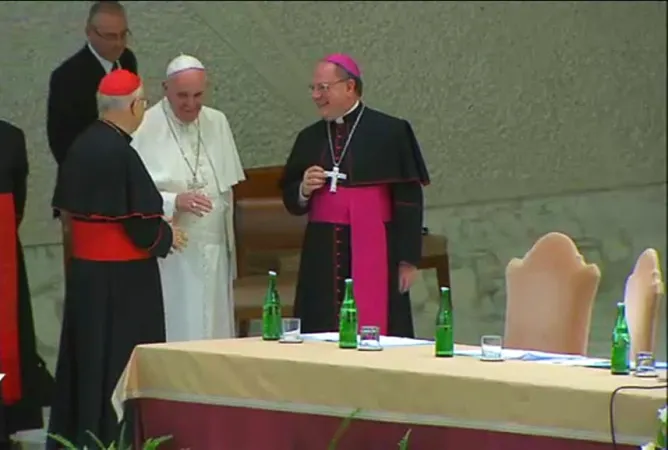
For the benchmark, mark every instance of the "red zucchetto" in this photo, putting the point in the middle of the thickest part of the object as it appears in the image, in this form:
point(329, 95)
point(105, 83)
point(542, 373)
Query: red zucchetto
point(119, 83)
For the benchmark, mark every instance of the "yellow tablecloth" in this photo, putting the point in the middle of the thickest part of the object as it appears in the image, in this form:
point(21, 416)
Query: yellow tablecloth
point(405, 385)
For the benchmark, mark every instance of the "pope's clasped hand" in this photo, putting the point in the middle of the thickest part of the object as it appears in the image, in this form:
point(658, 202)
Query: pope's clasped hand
point(193, 202)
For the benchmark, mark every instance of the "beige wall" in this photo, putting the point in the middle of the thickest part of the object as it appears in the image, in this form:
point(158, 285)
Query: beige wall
point(533, 116)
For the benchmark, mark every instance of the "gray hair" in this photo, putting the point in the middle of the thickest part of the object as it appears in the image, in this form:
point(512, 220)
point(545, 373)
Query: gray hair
point(106, 103)
point(101, 7)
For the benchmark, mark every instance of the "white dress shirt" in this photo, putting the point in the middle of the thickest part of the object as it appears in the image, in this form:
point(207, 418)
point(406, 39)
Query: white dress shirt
point(107, 65)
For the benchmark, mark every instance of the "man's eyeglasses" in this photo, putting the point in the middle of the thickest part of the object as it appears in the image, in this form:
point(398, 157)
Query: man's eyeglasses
point(122, 36)
point(324, 87)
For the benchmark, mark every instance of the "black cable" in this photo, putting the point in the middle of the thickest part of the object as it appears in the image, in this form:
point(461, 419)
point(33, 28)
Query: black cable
point(611, 410)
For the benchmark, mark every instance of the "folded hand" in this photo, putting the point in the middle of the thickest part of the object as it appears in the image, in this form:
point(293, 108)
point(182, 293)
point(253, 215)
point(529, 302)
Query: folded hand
point(193, 202)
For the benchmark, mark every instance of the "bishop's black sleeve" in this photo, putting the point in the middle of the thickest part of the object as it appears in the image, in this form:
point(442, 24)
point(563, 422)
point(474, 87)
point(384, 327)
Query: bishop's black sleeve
point(293, 172)
point(153, 235)
point(408, 204)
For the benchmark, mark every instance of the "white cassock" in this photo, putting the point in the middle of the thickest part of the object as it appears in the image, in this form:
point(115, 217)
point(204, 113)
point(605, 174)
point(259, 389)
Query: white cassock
point(197, 282)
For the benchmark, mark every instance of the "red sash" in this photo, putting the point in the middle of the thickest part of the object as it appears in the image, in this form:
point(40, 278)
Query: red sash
point(103, 241)
point(10, 363)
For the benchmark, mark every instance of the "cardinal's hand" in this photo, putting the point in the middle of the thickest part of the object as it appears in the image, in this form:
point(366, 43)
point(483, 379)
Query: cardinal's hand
point(180, 238)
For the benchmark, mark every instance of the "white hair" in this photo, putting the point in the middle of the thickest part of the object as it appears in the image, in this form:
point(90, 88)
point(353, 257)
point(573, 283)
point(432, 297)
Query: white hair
point(107, 103)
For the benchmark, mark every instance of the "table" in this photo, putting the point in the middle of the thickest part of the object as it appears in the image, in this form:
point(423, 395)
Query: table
point(245, 394)
point(249, 289)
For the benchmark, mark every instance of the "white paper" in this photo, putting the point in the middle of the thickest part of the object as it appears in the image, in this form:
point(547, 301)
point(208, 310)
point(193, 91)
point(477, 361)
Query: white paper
point(575, 362)
point(506, 353)
point(385, 341)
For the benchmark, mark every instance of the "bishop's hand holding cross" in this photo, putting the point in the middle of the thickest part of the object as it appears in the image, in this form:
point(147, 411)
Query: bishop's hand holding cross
point(314, 178)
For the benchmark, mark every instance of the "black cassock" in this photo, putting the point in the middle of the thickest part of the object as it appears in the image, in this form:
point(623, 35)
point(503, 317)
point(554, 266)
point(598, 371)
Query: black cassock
point(113, 299)
point(72, 104)
point(383, 152)
point(27, 385)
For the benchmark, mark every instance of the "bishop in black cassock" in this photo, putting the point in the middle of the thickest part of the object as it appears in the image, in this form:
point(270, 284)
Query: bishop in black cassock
point(365, 213)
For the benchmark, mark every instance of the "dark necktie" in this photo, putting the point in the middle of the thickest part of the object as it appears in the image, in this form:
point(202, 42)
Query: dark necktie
point(116, 66)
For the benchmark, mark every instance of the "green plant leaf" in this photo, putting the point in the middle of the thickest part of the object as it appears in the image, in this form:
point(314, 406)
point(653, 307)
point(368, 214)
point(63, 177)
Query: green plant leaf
point(121, 439)
point(153, 443)
point(62, 441)
point(334, 443)
point(403, 443)
point(97, 441)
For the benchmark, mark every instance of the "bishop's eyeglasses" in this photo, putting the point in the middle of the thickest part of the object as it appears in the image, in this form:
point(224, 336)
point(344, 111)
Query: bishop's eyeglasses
point(324, 87)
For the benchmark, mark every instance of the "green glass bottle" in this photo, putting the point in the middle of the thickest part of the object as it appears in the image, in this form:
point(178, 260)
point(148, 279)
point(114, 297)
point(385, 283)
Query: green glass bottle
point(621, 343)
point(271, 311)
point(445, 337)
point(348, 323)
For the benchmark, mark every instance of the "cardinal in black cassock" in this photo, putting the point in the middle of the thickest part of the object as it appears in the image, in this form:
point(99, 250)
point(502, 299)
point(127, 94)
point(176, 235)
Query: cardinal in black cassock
point(113, 298)
point(358, 174)
point(27, 385)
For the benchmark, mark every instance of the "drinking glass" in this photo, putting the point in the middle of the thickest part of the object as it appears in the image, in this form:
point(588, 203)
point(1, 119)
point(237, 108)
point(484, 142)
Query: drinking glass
point(369, 339)
point(491, 348)
point(645, 365)
point(291, 330)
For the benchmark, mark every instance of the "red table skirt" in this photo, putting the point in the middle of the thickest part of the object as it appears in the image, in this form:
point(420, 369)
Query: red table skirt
point(205, 427)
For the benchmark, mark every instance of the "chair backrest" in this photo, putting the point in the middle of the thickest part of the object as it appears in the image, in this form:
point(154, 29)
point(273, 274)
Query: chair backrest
point(263, 227)
point(642, 295)
point(550, 296)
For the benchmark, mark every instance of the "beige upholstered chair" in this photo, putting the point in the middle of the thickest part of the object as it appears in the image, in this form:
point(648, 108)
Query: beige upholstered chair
point(642, 295)
point(550, 297)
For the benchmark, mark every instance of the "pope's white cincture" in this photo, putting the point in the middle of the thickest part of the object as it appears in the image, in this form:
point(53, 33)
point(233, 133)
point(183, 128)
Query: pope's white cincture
point(189, 150)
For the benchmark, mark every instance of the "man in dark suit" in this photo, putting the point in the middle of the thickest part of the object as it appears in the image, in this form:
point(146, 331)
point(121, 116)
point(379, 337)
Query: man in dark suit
point(27, 385)
point(71, 105)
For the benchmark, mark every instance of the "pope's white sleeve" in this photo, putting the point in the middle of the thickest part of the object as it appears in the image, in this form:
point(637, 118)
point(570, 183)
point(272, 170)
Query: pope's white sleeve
point(168, 203)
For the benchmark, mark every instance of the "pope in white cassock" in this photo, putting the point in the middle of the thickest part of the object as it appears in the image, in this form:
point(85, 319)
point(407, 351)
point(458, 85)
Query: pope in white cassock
point(190, 153)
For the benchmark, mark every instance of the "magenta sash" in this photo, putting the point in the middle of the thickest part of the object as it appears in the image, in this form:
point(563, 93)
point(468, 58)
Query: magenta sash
point(366, 209)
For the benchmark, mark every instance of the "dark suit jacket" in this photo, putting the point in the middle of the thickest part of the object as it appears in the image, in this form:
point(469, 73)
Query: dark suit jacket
point(72, 106)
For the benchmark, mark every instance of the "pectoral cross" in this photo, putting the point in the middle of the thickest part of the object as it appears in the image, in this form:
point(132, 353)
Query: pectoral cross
point(334, 176)
point(196, 185)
